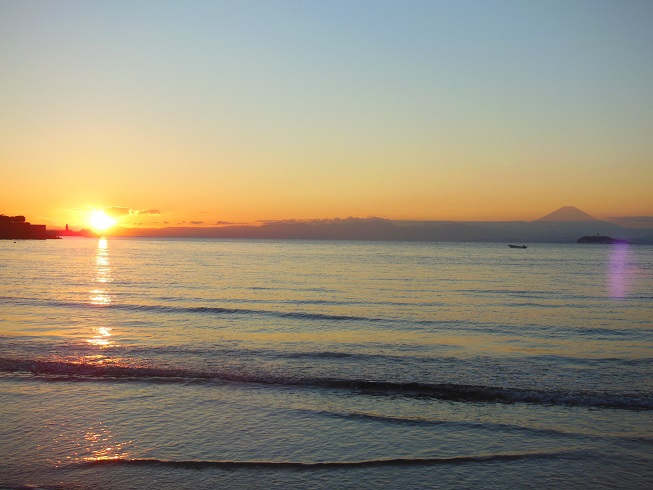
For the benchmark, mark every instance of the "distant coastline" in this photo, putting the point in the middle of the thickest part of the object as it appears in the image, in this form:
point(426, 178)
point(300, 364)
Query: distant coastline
point(562, 226)
point(17, 228)
point(378, 229)
point(81, 233)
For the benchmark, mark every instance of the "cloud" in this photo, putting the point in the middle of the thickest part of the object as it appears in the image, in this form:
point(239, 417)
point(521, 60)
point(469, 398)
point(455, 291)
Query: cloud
point(117, 211)
point(189, 222)
point(283, 221)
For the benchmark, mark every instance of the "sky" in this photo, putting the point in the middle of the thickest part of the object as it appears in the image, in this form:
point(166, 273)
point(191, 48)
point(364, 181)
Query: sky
point(207, 112)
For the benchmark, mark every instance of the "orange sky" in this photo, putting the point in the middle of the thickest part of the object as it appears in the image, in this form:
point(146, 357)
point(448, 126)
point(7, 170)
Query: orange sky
point(206, 113)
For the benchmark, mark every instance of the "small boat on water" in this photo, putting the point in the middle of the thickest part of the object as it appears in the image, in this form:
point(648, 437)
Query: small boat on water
point(516, 246)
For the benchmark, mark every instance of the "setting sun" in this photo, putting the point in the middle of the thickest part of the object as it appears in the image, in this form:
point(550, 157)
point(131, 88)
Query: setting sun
point(100, 221)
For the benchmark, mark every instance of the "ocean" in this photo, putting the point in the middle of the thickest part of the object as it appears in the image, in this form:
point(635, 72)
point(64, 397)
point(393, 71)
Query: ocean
point(179, 363)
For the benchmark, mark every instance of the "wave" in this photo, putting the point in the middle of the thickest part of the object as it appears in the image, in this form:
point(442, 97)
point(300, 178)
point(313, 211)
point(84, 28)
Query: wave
point(416, 421)
point(67, 371)
point(202, 464)
point(210, 310)
point(329, 355)
point(547, 331)
point(29, 486)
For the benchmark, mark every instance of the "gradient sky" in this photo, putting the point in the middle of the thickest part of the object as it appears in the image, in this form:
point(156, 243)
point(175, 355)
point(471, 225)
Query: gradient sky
point(239, 111)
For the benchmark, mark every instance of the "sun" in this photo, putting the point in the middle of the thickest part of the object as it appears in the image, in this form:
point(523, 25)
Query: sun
point(100, 221)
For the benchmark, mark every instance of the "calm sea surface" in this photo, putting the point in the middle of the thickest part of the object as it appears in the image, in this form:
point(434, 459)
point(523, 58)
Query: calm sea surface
point(153, 363)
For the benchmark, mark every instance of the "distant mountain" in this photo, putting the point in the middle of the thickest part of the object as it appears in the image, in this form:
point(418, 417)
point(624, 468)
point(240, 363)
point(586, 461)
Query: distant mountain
point(568, 213)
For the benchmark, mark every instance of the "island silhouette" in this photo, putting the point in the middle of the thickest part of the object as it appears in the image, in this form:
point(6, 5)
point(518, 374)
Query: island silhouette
point(602, 240)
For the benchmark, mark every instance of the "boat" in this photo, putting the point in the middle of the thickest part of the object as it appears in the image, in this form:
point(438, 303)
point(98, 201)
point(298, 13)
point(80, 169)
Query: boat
point(516, 246)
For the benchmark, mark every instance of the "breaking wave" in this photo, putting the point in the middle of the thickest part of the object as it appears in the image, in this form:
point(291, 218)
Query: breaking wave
point(202, 464)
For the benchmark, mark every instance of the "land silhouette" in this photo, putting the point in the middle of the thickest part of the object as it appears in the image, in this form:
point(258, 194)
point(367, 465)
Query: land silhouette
point(17, 228)
point(568, 214)
point(565, 225)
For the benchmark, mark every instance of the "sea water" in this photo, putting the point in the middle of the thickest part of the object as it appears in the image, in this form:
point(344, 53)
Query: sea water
point(162, 363)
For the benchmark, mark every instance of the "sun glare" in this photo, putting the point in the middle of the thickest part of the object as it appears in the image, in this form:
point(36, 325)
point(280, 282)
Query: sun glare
point(100, 221)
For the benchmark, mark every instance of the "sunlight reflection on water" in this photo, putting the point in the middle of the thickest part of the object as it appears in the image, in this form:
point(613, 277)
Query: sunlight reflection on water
point(618, 271)
point(93, 444)
point(101, 336)
point(102, 267)
point(101, 445)
point(100, 296)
